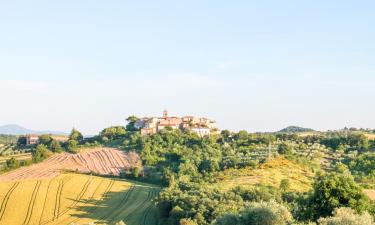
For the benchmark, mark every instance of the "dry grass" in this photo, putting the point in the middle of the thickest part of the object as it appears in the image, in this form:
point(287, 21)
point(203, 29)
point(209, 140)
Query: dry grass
point(270, 174)
point(370, 193)
point(370, 136)
point(24, 156)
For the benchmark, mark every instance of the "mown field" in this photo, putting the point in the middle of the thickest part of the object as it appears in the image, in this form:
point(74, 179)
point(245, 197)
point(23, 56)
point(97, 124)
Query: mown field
point(77, 199)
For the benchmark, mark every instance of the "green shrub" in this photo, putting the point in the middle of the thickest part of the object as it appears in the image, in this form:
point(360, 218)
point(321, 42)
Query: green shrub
point(347, 216)
point(258, 213)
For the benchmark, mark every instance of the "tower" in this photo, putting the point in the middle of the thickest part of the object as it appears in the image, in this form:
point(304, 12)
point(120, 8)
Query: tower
point(165, 113)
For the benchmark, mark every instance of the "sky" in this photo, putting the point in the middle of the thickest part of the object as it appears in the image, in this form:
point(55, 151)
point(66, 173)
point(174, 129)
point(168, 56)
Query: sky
point(250, 65)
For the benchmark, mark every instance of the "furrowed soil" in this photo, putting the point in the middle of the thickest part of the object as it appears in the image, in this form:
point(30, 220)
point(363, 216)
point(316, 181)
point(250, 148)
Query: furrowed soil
point(103, 161)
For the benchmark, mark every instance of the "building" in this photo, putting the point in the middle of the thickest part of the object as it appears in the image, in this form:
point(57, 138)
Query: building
point(200, 125)
point(32, 139)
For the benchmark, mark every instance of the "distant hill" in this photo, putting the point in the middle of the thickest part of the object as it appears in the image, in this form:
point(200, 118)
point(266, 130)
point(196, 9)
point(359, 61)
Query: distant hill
point(295, 129)
point(13, 129)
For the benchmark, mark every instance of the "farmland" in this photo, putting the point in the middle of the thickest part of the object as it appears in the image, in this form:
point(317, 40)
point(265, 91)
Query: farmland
point(77, 199)
point(103, 161)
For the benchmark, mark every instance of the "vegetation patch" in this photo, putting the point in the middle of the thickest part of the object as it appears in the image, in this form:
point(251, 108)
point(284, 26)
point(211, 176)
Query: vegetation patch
point(271, 173)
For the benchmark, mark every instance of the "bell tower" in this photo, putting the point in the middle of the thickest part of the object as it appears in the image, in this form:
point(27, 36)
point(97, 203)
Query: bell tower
point(165, 113)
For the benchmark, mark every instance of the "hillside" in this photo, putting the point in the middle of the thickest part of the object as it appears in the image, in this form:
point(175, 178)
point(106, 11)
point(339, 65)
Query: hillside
point(52, 195)
point(14, 129)
point(103, 161)
point(270, 173)
point(295, 129)
point(77, 199)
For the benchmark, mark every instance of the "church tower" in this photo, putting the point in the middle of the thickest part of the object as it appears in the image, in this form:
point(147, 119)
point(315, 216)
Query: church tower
point(165, 113)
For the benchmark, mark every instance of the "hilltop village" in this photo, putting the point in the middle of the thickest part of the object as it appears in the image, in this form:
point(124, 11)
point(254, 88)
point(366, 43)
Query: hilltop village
point(200, 125)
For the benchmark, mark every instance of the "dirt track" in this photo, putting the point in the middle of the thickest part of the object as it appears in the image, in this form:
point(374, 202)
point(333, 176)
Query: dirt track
point(104, 161)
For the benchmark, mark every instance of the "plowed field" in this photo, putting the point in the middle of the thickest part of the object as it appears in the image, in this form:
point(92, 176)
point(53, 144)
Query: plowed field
point(103, 161)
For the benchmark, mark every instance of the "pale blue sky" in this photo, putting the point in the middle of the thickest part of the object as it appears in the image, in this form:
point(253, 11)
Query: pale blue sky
point(255, 65)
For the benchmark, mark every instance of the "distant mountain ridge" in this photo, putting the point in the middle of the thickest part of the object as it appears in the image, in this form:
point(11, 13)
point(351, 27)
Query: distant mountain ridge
point(295, 129)
point(14, 129)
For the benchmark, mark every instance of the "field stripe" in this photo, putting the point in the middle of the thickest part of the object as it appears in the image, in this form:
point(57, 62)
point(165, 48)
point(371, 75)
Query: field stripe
point(79, 197)
point(140, 206)
point(57, 200)
point(118, 207)
point(45, 200)
point(6, 199)
point(32, 202)
point(105, 193)
point(130, 213)
point(147, 211)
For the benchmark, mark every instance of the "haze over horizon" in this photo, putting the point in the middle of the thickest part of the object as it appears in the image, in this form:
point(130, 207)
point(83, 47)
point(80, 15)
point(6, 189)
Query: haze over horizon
point(257, 66)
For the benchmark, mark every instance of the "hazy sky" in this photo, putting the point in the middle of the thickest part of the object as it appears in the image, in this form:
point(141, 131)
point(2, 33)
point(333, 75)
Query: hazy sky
point(254, 65)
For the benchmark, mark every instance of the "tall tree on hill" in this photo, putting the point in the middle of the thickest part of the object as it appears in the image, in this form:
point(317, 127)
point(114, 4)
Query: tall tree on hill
point(75, 135)
point(131, 122)
point(334, 190)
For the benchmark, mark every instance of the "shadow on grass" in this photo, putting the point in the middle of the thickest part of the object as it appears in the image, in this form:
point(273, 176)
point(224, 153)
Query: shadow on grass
point(134, 206)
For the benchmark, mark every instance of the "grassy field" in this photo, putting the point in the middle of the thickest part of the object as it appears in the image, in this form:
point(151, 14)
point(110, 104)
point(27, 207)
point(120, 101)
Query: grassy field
point(23, 156)
point(77, 199)
point(269, 174)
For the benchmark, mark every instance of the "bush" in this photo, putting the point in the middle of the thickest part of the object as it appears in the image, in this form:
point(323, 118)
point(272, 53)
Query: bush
point(72, 146)
point(41, 152)
point(284, 184)
point(347, 216)
point(285, 149)
point(266, 213)
point(12, 163)
point(76, 135)
point(187, 222)
point(258, 213)
point(113, 132)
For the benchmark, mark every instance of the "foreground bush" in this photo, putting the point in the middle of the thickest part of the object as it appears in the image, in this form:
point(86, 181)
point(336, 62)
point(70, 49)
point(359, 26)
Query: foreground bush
point(347, 216)
point(258, 213)
point(334, 190)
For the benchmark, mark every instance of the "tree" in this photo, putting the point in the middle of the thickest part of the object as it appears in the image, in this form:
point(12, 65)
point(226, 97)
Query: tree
point(113, 132)
point(55, 146)
point(185, 221)
point(135, 172)
point(131, 123)
point(258, 213)
point(267, 213)
point(347, 216)
point(45, 139)
point(363, 164)
point(75, 135)
point(72, 146)
point(334, 190)
point(285, 149)
point(12, 163)
point(284, 184)
point(41, 152)
point(229, 219)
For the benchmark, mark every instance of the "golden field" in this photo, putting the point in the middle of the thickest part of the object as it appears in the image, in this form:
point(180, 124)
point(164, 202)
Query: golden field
point(77, 199)
point(269, 174)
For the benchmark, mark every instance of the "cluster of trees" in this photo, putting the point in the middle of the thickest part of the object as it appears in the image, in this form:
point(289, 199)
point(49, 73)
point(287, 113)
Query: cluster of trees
point(187, 201)
point(187, 163)
point(45, 148)
point(7, 139)
point(47, 145)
